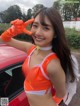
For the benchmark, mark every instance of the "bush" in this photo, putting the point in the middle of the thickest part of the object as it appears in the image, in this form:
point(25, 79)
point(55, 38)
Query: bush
point(4, 26)
point(1, 31)
point(73, 38)
point(24, 37)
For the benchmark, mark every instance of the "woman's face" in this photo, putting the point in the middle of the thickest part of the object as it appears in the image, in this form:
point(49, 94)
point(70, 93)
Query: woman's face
point(42, 34)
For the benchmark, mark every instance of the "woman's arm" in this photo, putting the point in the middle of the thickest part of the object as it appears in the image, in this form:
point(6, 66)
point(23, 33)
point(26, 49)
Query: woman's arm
point(21, 45)
point(18, 27)
point(57, 77)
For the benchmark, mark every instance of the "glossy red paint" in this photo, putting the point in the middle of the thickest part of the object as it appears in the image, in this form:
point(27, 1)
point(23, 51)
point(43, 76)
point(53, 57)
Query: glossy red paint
point(10, 55)
point(20, 100)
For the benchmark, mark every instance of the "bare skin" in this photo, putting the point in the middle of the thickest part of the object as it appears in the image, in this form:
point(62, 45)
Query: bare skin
point(43, 100)
point(43, 37)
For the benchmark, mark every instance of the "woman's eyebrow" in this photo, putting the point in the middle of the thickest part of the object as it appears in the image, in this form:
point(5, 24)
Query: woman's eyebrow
point(48, 25)
point(35, 22)
point(44, 24)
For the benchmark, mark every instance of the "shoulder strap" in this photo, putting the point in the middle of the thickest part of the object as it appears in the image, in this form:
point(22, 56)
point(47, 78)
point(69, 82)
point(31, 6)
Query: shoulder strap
point(31, 49)
point(46, 61)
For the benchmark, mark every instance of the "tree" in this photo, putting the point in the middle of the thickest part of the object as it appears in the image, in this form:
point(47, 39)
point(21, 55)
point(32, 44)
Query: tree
point(68, 8)
point(36, 8)
point(57, 5)
point(29, 14)
point(71, 8)
point(12, 13)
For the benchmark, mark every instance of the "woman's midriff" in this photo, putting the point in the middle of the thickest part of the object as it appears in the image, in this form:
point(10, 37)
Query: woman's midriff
point(41, 100)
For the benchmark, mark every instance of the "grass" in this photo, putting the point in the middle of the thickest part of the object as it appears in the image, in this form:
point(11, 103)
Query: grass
point(72, 31)
point(4, 26)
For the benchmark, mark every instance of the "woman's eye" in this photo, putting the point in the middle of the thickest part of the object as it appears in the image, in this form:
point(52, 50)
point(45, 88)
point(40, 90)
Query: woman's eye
point(35, 26)
point(46, 28)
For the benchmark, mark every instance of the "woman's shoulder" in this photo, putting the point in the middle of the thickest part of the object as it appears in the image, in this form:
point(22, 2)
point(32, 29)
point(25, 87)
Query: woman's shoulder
point(30, 47)
point(53, 63)
point(54, 67)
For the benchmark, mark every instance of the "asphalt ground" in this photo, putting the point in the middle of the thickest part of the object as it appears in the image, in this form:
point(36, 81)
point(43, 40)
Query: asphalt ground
point(76, 98)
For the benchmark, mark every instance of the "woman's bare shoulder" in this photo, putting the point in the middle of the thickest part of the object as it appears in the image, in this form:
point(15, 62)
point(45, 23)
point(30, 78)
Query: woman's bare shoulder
point(54, 66)
point(57, 77)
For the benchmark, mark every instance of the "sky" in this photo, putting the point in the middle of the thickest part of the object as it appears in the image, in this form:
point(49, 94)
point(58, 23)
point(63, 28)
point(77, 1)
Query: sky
point(24, 4)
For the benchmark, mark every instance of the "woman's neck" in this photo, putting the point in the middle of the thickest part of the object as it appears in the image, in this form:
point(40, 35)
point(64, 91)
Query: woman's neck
point(43, 50)
point(47, 48)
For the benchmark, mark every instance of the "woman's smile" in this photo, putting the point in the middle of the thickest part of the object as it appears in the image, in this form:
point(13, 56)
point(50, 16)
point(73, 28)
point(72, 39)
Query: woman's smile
point(38, 38)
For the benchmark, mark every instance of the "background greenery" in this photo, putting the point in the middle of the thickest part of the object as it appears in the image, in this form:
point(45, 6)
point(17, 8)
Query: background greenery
point(69, 10)
point(72, 36)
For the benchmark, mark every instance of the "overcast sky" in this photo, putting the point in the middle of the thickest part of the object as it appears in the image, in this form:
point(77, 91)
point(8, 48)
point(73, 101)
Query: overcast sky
point(24, 4)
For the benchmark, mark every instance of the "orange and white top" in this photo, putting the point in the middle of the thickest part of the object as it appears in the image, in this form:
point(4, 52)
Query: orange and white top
point(36, 78)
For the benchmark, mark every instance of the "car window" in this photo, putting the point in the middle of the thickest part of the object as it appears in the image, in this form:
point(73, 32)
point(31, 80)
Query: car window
point(11, 81)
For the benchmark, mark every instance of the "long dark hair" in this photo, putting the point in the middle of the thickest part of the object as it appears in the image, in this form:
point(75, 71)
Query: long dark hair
point(59, 43)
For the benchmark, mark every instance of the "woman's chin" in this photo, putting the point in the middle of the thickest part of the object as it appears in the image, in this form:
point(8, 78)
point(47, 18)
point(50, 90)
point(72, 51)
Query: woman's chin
point(38, 43)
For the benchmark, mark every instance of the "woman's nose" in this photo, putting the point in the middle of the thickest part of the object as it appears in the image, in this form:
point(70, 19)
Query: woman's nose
point(38, 31)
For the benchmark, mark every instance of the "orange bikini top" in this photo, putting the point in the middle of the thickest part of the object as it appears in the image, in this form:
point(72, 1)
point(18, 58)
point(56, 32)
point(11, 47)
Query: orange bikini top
point(37, 77)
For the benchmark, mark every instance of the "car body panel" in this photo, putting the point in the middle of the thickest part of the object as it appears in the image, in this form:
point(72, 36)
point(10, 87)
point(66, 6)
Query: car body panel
point(10, 55)
point(20, 100)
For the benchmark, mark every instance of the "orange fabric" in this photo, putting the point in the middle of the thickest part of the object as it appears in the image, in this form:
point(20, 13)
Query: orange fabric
point(57, 100)
point(34, 79)
point(5, 36)
point(46, 62)
point(18, 27)
point(30, 50)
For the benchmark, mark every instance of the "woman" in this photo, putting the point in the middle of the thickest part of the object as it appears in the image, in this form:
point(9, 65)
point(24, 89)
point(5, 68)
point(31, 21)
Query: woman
point(48, 60)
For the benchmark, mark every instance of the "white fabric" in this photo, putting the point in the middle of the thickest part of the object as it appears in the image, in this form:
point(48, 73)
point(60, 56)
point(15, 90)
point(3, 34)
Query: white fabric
point(40, 92)
point(72, 87)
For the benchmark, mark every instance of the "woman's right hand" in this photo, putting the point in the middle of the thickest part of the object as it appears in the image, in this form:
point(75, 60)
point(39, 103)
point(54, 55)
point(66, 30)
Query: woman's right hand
point(18, 27)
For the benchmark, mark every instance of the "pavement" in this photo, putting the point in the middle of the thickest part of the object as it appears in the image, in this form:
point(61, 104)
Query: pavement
point(76, 98)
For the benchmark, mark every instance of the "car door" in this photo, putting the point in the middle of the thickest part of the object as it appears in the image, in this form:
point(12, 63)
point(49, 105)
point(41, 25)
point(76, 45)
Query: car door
point(11, 85)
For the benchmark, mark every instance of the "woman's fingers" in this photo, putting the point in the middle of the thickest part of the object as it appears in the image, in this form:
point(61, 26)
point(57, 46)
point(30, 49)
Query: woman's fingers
point(26, 24)
point(21, 26)
point(29, 21)
point(17, 22)
point(27, 32)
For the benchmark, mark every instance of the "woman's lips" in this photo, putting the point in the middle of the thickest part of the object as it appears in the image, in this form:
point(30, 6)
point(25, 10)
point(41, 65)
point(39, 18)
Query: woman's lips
point(38, 38)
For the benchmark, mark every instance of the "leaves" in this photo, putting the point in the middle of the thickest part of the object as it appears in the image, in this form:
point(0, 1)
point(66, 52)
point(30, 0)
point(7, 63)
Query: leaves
point(69, 9)
point(73, 38)
point(12, 13)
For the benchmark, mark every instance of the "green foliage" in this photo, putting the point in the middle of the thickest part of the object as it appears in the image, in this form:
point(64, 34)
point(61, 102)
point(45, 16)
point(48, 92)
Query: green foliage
point(56, 5)
point(69, 9)
point(4, 26)
point(36, 8)
point(24, 37)
point(29, 14)
point(73, 38)
point(12, 13)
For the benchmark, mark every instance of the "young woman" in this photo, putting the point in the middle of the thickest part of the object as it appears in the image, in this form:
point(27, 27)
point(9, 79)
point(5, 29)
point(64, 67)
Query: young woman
point(48, 60)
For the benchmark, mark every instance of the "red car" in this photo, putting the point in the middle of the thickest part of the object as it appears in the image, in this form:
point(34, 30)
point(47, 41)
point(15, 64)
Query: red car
point(11, 77)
